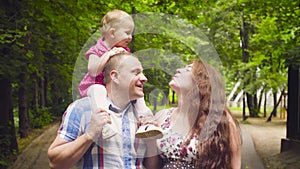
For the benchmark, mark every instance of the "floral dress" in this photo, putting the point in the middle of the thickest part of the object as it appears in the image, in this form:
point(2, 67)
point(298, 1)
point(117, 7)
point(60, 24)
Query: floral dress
point(174, 154)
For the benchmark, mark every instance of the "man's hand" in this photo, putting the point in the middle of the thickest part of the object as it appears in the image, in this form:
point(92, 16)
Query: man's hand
point(98, 120)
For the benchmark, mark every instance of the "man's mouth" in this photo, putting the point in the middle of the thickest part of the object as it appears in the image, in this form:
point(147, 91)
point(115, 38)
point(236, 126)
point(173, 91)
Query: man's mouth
point(139, 86)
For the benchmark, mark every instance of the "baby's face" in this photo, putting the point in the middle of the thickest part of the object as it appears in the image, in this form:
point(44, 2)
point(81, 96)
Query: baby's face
point(123, 32)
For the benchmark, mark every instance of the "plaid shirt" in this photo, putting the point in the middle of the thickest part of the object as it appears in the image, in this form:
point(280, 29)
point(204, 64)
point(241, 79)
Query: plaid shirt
point(119, 151)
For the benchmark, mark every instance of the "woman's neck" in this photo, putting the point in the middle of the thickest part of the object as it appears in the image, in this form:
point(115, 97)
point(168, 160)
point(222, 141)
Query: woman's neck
point(183, 104)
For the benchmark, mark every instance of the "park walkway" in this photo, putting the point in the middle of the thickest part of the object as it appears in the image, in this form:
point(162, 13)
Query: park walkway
point(35, 155)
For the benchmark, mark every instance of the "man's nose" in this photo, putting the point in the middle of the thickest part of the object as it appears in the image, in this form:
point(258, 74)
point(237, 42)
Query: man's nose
point(143, 78)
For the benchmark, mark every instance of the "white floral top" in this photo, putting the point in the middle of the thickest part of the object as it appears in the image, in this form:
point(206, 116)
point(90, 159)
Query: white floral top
point(174, 154)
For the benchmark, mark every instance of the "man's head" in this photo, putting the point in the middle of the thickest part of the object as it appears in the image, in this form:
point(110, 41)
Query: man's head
point(123, 76)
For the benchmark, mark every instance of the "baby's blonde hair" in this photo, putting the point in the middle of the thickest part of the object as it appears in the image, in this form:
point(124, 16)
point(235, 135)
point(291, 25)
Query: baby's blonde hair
point(112, 18)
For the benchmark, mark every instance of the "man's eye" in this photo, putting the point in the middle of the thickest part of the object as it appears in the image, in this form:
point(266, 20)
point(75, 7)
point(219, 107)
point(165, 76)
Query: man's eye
point(137, 72)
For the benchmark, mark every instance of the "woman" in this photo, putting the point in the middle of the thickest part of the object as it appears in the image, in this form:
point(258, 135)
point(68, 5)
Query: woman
point(200, 132)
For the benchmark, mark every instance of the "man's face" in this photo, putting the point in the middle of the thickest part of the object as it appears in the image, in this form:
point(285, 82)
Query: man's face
point(131, 77)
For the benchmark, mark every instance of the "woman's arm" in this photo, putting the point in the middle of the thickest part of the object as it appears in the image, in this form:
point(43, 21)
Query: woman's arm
point(152, 159)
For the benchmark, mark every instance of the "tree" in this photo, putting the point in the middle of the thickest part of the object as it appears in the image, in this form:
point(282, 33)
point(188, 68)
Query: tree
point(8, 141)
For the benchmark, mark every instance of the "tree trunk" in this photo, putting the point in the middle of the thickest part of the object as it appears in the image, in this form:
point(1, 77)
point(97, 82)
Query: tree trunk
point(251, 100)
point(153, 99)
point(45, 91)
point(265, 104)
point(252, 105)
point(275, 101)
point(36, 93)
point(23, 108)
point(261, 95)
point(275, 107)
point(8, 140)
point(255, 104)
point(244, 107)
point(165, 100)
point(173, 97)
point(43, 102)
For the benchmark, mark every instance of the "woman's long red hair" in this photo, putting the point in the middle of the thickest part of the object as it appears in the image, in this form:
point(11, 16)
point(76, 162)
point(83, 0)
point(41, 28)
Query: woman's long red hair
point(209, 119)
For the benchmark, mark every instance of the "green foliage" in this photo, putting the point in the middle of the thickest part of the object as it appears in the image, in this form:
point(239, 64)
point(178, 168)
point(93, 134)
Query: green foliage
point(40, 117)
point(5, 157)
point(45, 40)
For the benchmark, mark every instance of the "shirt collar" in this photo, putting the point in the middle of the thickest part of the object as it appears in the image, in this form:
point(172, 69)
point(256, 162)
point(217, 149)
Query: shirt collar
point(116, 109)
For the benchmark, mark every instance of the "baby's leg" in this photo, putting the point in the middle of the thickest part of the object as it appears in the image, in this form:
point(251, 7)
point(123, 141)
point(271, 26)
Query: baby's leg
point(146, 117)
point(97, 94)
point(144, 112)
point(98, 98)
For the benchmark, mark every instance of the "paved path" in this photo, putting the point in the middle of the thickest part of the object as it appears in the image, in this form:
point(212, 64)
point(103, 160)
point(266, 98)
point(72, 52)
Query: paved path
point(250, 158)
point(35, 155)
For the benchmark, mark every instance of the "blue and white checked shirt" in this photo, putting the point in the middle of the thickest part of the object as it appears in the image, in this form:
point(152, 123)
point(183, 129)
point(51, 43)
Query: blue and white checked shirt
point(122, 150)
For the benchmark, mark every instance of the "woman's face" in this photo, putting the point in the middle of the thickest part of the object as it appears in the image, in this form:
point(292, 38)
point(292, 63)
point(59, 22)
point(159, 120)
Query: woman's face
point(183, 80)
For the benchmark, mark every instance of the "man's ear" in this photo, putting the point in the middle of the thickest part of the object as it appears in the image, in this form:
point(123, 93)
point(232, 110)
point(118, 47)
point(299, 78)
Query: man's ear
point(114, 76)
point(111, 32)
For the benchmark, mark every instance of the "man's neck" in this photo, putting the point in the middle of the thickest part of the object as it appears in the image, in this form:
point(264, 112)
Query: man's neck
point(118, 100)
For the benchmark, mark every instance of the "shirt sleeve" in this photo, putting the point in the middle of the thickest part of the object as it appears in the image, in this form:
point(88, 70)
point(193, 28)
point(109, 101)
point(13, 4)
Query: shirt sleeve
point(70, 128)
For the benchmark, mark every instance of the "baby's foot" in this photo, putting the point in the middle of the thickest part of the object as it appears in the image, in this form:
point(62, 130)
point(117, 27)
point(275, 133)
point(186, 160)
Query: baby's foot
point(149, 131)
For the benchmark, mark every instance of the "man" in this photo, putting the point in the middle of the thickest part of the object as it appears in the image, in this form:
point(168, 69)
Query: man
point(79, 137)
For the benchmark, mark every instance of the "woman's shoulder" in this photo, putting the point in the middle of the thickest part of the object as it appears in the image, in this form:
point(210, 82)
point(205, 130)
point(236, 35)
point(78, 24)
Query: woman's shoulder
point(163, 114)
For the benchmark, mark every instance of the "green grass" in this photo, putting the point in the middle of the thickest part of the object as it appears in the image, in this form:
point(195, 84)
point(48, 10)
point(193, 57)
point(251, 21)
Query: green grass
point(33, 133)
point(241, 109)
point(245, 122)
point(24, 142)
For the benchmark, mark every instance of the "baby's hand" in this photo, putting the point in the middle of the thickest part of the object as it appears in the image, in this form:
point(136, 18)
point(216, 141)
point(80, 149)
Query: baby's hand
point(100, 63)
point(114, 51)
point(144, 120)
point(118, 50)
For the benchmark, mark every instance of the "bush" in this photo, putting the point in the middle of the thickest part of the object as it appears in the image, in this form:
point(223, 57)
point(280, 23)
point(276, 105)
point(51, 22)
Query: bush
point(40, 117)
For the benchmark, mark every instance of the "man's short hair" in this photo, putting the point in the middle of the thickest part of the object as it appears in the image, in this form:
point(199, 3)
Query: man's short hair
point(113, 64)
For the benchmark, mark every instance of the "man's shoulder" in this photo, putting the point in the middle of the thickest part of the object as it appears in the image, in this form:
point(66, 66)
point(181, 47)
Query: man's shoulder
point(82, 105)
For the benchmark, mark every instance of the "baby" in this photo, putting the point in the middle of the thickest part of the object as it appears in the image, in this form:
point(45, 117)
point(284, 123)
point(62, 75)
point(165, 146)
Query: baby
point(117, 29)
